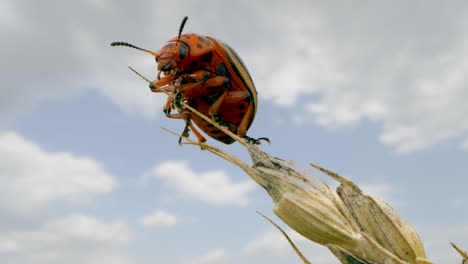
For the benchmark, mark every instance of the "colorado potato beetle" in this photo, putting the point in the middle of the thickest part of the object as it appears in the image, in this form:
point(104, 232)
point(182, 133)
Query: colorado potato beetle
point(208, 75)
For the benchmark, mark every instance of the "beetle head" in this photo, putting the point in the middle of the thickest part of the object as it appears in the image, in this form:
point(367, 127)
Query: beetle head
point(173, 58)
point(172, 55)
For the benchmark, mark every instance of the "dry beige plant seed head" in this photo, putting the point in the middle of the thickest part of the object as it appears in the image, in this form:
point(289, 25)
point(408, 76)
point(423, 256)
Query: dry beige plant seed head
point(379, 220)
point(351, 224)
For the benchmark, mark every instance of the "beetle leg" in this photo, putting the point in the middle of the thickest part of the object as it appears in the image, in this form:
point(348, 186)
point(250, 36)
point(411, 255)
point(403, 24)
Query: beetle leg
point(229, 126)
point(177, 116)
point(167, 88)
point(185, 133)
point(189, 87)
point(242, 129)
point(200, 75)
point(197, 134)
point(229, 98)
point(167, 106)
point(233, 97)
point(257, 141)
point(214, 108)
point(160, 82)
point(202, 88)
point(188, 127)
point(217, 81)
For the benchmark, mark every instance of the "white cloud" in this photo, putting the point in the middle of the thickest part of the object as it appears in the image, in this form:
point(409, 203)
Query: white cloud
point(339, 67)
point(413, 85)
point(300, 66)
point(32, 178)
point(72, 239)
point(126, 90)
point(214, 256)
point(214, 186)
point(159, 218)
point(74, 55)
point(273, 242)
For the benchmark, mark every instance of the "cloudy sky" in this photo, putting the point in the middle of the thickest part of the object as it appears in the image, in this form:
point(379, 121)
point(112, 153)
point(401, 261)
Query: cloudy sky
point(374, 90)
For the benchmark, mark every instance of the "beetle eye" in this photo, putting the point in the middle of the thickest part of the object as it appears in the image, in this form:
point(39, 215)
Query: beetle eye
point(183, 50)
point(156, 59)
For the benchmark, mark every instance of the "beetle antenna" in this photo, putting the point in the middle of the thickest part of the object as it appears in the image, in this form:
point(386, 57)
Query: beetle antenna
point(125, 44)
point(182, 27)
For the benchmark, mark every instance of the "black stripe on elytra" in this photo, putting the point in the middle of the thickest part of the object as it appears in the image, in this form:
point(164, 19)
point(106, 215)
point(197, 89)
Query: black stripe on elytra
point(235, 68)
point(241, 77)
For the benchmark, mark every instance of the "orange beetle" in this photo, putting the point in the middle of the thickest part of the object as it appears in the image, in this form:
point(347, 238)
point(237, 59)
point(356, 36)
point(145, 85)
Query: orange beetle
point(209, 76)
